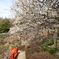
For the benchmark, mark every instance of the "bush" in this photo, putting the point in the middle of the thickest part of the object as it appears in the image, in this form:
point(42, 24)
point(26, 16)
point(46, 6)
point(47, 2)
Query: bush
point(4, 25)
point(45, 47)
point(50, 42)
point(51, 50)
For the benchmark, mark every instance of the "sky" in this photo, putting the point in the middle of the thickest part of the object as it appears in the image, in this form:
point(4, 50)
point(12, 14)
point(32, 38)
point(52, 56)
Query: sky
point(5, 8)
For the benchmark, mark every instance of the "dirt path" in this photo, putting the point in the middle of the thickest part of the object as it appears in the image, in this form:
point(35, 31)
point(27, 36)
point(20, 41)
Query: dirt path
point(21, 55)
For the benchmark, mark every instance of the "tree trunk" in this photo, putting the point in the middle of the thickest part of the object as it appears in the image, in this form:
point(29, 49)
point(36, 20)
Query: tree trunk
point(55, 38)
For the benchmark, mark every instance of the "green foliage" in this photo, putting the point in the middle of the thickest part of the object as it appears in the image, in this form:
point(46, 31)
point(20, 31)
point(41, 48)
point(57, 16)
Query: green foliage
point(51, 50)
point(45, 47)
point(1, 35)
point(4, 25)
point(50, 42)
point(18, 42)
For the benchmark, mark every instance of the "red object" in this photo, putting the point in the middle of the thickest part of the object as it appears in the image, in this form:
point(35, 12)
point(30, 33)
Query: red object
point(14, 53)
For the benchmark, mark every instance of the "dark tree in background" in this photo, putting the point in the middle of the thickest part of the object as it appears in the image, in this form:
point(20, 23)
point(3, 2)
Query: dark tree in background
point(4, 25)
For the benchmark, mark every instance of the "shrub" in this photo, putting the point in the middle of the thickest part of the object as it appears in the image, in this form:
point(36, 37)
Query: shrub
point(45, 47)
point(4, 25)
point(50, 42)
point(51, 50)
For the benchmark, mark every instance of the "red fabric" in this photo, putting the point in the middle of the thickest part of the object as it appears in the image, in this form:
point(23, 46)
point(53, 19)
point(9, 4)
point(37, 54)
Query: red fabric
point(14, 52)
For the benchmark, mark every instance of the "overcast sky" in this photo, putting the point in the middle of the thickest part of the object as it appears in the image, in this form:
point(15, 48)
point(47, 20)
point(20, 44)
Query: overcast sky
point(5, 7)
